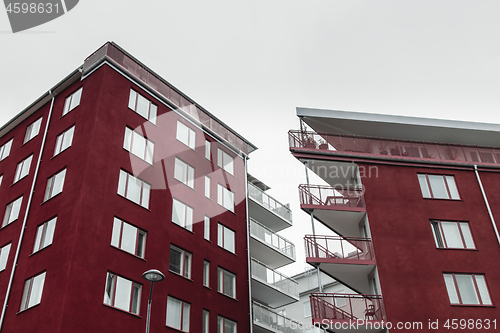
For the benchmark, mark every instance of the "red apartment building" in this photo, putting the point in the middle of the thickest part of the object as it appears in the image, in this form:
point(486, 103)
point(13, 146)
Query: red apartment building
point(113, 172)
point(414, 202)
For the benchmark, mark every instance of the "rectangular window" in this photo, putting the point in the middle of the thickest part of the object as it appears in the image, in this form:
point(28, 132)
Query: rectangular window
point(186, 135)
point(184, 173)
point(206, 273)
point(225, 161)
point(307, 309)
point(128, 238)
point(180, 261)
point(72, 101)
point(4, 256)
point(44, 235)
point(206, 228)
point(64, 140)
point(142, 106)
point(5, 149)
point(467, 289)
point(122, 293)
point(55, 185)
point(227, 283)
point(134, 189)
point(438, 187)
point(207, 186)
point(138, 145)
point(208, 148)
point(33, 130)
point(23, 169)
point(1, 178)
point(225, 197)
point(12, 211)
point(206, 316)
point(452, 235)
point(225, 238)
point(32, 294)
point(182, 215)
point(225, 325)
point(178, 314)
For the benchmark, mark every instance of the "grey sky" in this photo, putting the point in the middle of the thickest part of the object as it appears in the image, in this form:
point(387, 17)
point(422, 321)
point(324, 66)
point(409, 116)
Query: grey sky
point(252, 62)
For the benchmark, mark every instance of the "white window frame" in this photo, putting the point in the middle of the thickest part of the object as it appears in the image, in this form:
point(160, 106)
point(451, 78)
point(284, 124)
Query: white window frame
point(55, 185)
point(206, 227)
point(184, 172)
point(184, 320)
point(307, 309)
point(456, 291)
point(449, 184)
point(1, 178)
point(72, 101)
point(221, 325)
point(64, 140)
point(117, 291)
point(44, 235)
point(206, 273)
point(225, 161)
point(33, 129)
point(222, 275)
point(184, 216)
point(32, 292)
point(185, 263)
point(443, 235)
point(186, 135)
point(5, 149)
point(208, 150)
point(138, 145)
point(207, 186)
point(152, 109)
point(23, 168)
point(128, 238)
point(225, 197)
point(226, 238)
point(4, 256)
point(124, 188)
point(12, 210)
point(205, 321)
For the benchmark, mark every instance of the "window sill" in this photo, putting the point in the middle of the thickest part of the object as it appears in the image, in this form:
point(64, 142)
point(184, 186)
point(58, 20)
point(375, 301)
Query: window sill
point(180, 226)
point(207, 287)
point(62, 151)
point(233, 253)
point(454, 248)
point(176, 329)
point(182, 276)
point(230, 297)
point(474, 305)
point(40, 250)
point(5, 226)
point(226, 209)
point(52, 197)
point(130, 254)
point(443, 199)
point(130, 153)
point(31, 307)
point(135, 203)
point(130, 313)
point(17, 181)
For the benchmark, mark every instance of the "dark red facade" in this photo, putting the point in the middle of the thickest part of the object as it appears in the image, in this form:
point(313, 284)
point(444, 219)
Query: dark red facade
point(77, 261)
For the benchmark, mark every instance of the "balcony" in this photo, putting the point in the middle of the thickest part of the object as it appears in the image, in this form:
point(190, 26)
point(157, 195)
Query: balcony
point(347, 259)
point(270, 248)
point(272, 287)
point(340, 209)
point(337, 311)
point(266, 320)
point(326, 143)
point(268, 210)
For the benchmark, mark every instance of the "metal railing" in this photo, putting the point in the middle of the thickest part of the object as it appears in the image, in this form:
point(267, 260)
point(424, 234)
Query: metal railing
point(158, 84)
point(274, 278)
point(272, 239)
point(269, 202)
point(337, 247)
point(393, 148)
point(346, 307)
point(265, 316)
point(331, 196)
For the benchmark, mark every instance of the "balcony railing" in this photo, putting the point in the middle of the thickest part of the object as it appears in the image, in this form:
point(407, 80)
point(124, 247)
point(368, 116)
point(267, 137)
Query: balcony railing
point(272, 239)
point(269, 202)
point(274, 278)
point(393, 148)
point(266, 317)
point(337, 247)
point(346, 307)
point(331, 196)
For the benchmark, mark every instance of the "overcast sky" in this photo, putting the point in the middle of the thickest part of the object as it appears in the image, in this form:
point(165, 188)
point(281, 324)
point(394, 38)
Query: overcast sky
point(252, 62)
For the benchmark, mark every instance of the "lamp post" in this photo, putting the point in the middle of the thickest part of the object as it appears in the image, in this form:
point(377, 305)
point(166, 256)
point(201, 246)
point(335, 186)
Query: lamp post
point(153, 275)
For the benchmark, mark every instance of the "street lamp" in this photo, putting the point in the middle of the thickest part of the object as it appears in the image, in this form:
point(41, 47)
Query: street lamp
point(153, 275)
